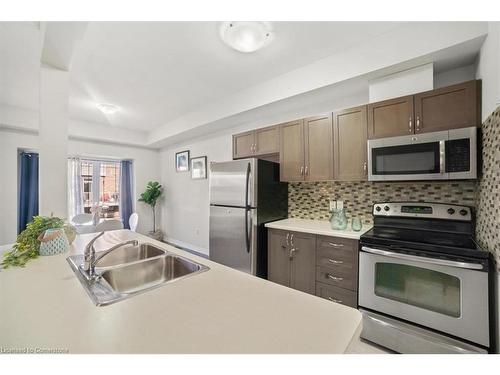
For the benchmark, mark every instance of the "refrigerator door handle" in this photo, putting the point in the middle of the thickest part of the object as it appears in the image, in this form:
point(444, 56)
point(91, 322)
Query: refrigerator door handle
point(247, 231)
point(247, 186)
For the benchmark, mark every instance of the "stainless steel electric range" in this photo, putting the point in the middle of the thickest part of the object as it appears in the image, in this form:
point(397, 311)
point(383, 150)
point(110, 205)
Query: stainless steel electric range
point(423, 280)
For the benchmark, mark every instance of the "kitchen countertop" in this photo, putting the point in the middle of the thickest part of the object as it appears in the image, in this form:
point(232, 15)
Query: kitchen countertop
point(44, 306)
point(321, 227)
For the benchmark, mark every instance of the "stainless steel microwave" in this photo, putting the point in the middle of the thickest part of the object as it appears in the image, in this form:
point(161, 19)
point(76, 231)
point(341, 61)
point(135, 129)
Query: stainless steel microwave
point(444, 155)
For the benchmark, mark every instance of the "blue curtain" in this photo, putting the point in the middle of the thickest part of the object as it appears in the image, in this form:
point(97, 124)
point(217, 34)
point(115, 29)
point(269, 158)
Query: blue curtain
point(126, 192)
point(28, 189)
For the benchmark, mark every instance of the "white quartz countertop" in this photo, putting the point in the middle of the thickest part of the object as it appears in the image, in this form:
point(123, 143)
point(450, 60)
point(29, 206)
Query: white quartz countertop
point(321, 227)
point(44, 306)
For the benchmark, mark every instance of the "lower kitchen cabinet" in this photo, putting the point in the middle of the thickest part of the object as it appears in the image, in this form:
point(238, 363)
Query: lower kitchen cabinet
point(302, 262)
point(321, 265)
point(292, 259)
point(335, 294)
point(278, 260)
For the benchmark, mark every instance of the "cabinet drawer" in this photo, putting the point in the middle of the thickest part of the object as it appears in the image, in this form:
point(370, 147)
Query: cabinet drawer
point(339, 295)
point(335, 252)
point(337, 243)
point(341, 277)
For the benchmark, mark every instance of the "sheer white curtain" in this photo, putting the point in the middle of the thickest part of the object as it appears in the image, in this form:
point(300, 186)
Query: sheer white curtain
point(75, 188)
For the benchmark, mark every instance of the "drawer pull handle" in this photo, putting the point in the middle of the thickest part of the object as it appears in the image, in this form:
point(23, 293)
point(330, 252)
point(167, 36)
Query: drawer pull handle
point(335, 244)
point(334, 278)
point(335, 300)
point(335, 261)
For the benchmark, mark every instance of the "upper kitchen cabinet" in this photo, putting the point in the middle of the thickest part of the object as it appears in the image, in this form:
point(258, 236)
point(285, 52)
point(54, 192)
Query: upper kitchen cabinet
point(292, 151)
point(318, 148)
point(243, 144)
point(267, 140)
point(390, 118)
point(349, 144)
point(446, 108)
point(456, 106)
point(258, 142)
point(306, 149)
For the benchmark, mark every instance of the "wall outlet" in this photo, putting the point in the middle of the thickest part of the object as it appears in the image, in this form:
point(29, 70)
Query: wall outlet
point(197, 231)
point(332, 205)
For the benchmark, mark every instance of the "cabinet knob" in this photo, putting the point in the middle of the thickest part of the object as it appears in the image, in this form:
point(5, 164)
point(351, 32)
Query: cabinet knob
point(334, 278)
point(302, 170)
point(306, 170)
point(335, 300)
point(335, 244)
point(335, 261)
point(410, 126)
point(365, 166)
point(418, 123)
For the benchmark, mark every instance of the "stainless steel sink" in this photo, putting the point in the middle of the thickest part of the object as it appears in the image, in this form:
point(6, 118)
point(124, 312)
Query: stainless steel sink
point(128, 254)
point(147, 274)
point(133, 270)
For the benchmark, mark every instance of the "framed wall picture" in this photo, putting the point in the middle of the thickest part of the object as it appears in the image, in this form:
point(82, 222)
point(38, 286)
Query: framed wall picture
point(182, 161)
point(199, 168)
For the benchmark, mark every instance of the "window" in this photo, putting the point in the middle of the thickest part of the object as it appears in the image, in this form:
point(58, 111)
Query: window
point(101, 184)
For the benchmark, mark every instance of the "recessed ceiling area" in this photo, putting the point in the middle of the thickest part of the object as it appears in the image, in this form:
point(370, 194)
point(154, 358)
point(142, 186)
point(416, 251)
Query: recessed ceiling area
point(159, 72)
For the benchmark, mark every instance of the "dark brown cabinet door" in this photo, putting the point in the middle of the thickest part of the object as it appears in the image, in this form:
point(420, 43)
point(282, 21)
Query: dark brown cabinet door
point(243, 145)
point(266, 140)
point(447, 108)
point(318, 148)
point(291, 140)
point(303, 262)
point(278, 266)
point(391, 118)
point(349, 144)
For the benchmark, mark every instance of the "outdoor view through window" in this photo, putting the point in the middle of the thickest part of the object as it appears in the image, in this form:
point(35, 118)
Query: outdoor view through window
point(102, 188)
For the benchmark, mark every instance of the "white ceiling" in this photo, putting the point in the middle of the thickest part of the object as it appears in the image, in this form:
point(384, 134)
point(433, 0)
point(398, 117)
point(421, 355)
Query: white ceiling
point(158, 71)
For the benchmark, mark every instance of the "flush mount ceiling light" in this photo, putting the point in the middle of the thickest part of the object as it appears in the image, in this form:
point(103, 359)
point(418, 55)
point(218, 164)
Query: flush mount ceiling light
point(108, 109)
point(246, 36)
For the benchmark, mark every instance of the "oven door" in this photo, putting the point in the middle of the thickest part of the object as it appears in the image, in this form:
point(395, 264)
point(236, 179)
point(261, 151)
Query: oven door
point(448, 296)
point(415, 157)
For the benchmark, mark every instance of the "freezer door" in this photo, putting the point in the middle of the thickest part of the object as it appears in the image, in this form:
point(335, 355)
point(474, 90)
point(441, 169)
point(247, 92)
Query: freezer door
point(232, 183)
point(233, 237)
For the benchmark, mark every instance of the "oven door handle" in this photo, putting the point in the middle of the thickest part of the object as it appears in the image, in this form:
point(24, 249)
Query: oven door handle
point(441, 262)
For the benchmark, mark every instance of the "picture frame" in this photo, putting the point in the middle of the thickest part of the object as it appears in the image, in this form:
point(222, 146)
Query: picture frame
point(199, 168)
point(182, 161)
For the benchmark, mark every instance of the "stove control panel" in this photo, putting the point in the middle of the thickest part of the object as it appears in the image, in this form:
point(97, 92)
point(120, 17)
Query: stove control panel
point(423, 209)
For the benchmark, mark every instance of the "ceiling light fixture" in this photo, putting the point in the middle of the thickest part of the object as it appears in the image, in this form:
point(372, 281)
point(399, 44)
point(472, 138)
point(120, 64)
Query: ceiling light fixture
point(246, 36)
point(108, 109)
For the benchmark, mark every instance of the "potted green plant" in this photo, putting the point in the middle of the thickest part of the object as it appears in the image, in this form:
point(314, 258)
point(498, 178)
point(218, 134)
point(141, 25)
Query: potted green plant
point(27, 245)
point(150, 196)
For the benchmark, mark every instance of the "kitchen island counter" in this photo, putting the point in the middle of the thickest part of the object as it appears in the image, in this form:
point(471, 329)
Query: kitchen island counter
point(44, 307)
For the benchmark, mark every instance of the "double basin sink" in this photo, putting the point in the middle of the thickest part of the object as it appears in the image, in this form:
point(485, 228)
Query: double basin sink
point(130, 270)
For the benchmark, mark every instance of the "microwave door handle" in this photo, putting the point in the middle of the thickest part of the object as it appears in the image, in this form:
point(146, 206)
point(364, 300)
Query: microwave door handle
point(442, 157)
point(441, 262)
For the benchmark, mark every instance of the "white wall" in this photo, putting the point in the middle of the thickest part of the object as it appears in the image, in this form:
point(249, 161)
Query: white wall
point(488, 69)
point(146, 168)
point(453, 76)
point(186, 209)
point(406, 82)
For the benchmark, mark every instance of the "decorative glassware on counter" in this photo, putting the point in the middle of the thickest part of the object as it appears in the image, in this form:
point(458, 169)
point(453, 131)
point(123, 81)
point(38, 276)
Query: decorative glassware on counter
point(356, 224)
point(338, 219)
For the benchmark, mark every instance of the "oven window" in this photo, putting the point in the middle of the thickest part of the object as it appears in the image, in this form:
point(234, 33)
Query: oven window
point(421, 287)
point(417, 158)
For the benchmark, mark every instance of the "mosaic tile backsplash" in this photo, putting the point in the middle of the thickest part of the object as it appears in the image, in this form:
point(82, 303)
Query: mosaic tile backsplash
point(488, 205)
point(310, 200)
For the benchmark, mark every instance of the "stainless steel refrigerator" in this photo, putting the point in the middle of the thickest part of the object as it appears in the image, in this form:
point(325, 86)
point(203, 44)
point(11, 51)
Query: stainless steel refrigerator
point(244, 195)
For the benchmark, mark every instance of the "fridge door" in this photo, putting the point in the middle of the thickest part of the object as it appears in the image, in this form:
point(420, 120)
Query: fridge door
point(232, 183)
point(233, 237)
